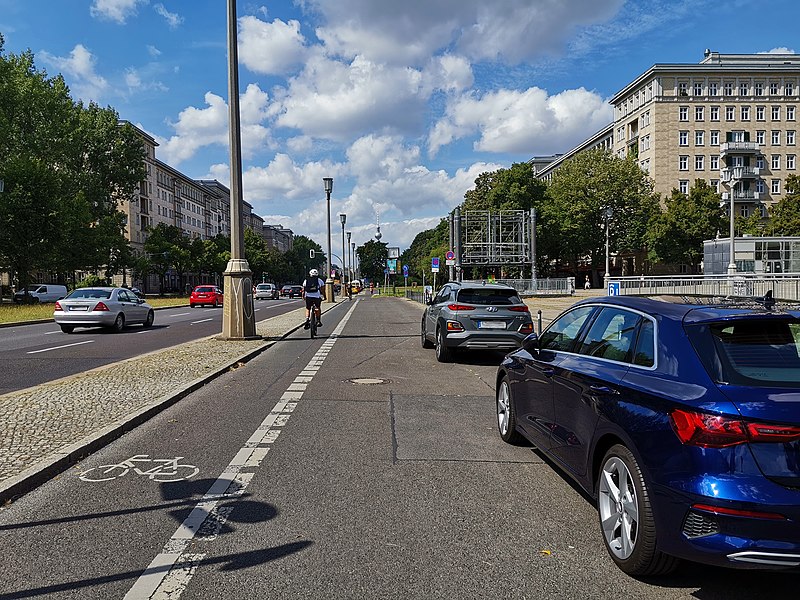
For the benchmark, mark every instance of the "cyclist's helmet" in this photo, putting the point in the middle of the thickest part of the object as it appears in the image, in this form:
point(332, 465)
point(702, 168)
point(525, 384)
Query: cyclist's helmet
point(313, 273)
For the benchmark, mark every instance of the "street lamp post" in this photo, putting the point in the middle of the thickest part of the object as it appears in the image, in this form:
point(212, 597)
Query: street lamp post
point(351, 273)
point(732, 262)
point(343, 278)
point(353, 259)
point(328, 181)
point(238, 316)
point(608, 213)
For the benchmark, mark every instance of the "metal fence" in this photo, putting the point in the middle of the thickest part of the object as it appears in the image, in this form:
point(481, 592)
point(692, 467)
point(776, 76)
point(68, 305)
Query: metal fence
point(785, 286)
point(564, 286)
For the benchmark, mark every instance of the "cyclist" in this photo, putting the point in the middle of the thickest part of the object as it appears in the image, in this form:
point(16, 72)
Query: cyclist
point(314, 293)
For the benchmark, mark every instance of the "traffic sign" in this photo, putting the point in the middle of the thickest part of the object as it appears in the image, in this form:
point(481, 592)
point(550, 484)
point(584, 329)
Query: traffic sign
point(450, 255)
point(435, 264)
point(405, 270)
point(613, 288)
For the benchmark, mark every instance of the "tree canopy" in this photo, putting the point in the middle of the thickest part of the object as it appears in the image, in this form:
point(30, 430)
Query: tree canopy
point(786, 213)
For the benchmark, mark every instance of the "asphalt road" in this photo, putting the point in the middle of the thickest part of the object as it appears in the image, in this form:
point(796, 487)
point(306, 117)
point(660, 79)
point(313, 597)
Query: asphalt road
point(38, 353)
point(349, 466)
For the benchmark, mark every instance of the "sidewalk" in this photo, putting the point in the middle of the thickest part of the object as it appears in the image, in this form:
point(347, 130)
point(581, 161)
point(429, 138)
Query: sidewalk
point(45, 429)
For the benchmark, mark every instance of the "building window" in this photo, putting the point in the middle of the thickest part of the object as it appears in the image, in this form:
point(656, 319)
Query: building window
point(745, 113)
point(698, 113)
point(759, 89)
point(728, 86)
point(683, 163)
point(683, 138)
point(790, 113)
point(776, 186)
point(773, 88)
point(790, 138)
point(699, 163)
point(762, 211)
point(715, 184)
point(683, 89)
point(776, 162)
point(699, 138)
point(761, 113)
point(714, 141)
point(760, 136)
point(743, 88)
point(789, 88)
point(760, 186)
point(744, 210)
point(776, 113)
point(683, 113)
point(683, 186)
point(730, 113)
point(712, 88)
point(790, 162)
point(646, 165)
point(760, 162)
point(698, 89)
point(714, 113)
point(714, 166)
point(776, 138)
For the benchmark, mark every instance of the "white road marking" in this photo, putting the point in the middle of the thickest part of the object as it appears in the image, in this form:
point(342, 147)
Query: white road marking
point(170, 572)
point(179, 315)
point(201, 321)
point(52, 332)
point(59, 347)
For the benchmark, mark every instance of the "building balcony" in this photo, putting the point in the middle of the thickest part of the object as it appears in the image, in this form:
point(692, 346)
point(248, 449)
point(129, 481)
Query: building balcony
point(742, 196)
point(748, 148)
point(737, 173)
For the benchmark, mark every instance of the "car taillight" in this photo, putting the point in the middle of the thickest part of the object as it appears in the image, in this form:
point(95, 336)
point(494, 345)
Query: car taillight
point(715, 431)
point(735, 512)
point(523, 308)
point(526, 328)
point(100, 306)
point(58, 306)
point(454, 326)
point(460, 307)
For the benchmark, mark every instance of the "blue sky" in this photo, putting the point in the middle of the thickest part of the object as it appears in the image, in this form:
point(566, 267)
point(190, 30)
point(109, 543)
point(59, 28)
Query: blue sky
point(404, 104)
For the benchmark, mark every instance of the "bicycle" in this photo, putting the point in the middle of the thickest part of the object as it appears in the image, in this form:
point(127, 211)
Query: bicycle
point(313, 325)
point(164, 472)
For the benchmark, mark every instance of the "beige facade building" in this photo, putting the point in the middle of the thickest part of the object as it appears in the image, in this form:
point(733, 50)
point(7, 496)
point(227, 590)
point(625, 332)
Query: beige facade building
point(730, 120)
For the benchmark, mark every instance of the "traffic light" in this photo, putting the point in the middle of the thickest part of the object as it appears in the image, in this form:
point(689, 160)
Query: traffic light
point(311, 253)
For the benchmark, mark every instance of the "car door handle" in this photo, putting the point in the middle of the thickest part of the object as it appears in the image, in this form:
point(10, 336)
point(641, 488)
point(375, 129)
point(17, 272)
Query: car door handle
point(548, 372)
point(603, 389)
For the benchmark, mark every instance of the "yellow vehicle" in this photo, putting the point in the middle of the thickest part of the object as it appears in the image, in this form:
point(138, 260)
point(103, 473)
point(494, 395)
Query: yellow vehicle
point(355, 286)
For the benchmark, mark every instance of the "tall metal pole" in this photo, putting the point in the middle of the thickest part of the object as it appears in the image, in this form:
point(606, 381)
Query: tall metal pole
point(351, 274)
point(328, 181)
point(451, 268)
point(343, 278)
point(607, 276)
point(732, 262)
point(238, 316)
point(534, 283)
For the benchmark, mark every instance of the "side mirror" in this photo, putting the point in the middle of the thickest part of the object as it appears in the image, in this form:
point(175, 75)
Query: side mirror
point(531, 344)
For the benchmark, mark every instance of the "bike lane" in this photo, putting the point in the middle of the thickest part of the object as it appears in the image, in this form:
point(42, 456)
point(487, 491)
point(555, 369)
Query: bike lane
point(95, 530)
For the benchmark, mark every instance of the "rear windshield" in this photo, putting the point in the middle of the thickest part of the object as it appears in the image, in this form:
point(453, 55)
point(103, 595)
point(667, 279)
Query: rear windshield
point(753, 352)
point(90, 293)
point(263, 286)
point(204, 289)
point(488, 296)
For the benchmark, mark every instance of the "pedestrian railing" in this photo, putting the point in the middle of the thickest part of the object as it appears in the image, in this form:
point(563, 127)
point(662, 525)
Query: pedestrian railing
point(784, 286)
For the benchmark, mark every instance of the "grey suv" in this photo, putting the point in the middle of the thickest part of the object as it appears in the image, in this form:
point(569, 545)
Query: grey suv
point(475, 316)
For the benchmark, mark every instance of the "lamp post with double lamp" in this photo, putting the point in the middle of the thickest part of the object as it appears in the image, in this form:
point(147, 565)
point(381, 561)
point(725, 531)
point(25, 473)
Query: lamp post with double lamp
point(354, 259)
point(328, 181)
point(609, 212)
point(238, 316)
point(343, 278)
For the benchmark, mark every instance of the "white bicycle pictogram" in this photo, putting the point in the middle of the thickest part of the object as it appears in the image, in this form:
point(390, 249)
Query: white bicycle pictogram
point(166, 470)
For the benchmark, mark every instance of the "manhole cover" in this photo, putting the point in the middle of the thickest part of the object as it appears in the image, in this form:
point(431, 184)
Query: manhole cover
point(368, 381)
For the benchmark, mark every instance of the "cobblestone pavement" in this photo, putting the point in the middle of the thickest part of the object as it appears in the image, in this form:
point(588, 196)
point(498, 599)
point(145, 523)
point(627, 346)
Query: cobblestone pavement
point(48, 427)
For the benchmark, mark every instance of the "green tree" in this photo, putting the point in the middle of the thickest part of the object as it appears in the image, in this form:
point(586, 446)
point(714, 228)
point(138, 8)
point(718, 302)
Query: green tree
point(515, 188)
point(299, 262)
point(676, 235)
point(162, 241)
point(785, 215)
point(256, 253)
point(372, 259)
point(427, 244)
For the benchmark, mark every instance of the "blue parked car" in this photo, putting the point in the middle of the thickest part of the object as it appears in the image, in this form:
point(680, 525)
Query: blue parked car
point(681, 418)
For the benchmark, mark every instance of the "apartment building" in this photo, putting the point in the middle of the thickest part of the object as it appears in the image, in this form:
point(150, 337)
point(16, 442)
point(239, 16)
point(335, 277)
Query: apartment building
point(730, 119)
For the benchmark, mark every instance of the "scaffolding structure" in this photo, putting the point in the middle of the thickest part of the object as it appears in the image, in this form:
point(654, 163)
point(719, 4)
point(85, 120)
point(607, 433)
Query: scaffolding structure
point(495, 238)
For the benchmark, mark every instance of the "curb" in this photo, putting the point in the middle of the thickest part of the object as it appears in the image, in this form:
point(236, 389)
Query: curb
point(34, 476)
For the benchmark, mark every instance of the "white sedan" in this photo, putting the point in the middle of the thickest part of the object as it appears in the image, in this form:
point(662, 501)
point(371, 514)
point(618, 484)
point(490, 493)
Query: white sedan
point(110, 307)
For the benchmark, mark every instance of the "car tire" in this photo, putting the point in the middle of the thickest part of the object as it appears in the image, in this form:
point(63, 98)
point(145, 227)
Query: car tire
point(630, 540)
point(67, 328)
point(507, 414)
point(119, 323)
point(443, 353)
point(148, 322)
point(426, 343)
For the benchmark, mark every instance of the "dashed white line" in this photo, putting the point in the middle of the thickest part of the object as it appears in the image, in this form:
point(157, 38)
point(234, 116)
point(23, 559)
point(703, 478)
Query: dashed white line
point(169, 573)
point(59, 347)
point(201, 321)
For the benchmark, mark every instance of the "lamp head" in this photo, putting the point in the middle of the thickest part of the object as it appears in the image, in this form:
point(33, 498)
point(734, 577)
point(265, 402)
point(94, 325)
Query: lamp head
point(328, 181)
point(343, 218)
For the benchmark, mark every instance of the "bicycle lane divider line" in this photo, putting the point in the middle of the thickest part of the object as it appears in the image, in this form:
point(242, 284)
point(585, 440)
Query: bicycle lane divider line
point(169, 573)
point(59, 347)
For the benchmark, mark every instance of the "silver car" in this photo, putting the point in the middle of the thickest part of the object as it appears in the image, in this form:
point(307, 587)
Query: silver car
point(267, 291)
point(475, 316)
point(110, 307)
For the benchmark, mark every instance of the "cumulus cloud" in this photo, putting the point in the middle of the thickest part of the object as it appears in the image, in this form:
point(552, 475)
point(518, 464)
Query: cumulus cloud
point(271, 48)
point(115, 10)
point(528, 121)
point(781, 50)
point(173, 20)
point(200, 127)
point(79, 69)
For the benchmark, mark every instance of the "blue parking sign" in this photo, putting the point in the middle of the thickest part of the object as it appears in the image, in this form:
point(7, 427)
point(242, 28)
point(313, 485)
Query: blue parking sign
point(405, 270)
point(613, 288)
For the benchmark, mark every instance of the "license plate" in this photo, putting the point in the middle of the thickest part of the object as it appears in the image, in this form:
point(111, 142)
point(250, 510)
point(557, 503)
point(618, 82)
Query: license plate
point(79, 308)
point(491, 324)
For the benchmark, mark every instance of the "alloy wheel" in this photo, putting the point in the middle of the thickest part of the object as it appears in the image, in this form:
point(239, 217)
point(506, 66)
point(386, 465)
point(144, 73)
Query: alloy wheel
point(619, 508)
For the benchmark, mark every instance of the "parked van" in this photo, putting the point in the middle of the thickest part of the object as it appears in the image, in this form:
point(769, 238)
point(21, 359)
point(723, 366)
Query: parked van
point(41, 293)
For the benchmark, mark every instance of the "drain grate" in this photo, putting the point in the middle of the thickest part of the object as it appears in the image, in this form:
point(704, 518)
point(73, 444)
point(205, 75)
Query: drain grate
point(368, 381)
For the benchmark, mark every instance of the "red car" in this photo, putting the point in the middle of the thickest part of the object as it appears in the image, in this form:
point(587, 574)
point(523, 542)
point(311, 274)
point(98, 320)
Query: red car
point(205, 295)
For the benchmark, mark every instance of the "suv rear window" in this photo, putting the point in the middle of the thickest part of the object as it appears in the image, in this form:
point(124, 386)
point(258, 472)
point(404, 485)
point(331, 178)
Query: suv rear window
point(750, 352)
point(488, 296)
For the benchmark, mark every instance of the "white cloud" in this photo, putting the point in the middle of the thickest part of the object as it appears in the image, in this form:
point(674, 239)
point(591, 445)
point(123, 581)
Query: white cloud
point(153, 51)
point(200, 127)
point(115, 10)
point(781, 50)
point(79, 69)
point(526, 121)
point(173, 20)
point(270, 48)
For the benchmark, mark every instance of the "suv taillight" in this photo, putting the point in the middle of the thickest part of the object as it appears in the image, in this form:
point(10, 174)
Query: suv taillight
point(715, 431)
point(460, 307)
point(523, 308)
